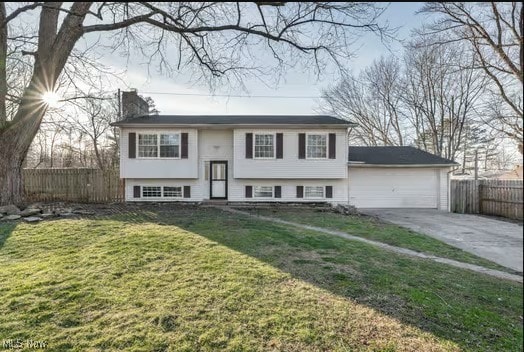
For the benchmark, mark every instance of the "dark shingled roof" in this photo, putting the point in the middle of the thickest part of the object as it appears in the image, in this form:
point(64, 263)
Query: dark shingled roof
point(233, 120)
point(395, 156)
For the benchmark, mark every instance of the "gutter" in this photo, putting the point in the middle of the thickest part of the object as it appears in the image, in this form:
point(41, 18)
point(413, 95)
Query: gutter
point(363, 164)
point(217, 125)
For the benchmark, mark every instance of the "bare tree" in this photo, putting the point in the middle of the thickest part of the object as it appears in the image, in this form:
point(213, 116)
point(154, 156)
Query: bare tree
point(441, 97)
point(92, 117)
point(373, 101)
point(493, 33)
point(219, 39)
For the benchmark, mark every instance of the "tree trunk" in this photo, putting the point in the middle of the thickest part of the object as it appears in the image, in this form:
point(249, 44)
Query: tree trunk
point(15, 140)
point(11, 191)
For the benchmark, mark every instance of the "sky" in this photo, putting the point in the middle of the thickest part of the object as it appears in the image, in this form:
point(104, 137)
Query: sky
point(295, 82)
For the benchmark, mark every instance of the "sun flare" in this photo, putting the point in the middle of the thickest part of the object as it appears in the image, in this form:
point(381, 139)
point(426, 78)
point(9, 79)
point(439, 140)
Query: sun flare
point(51, 99)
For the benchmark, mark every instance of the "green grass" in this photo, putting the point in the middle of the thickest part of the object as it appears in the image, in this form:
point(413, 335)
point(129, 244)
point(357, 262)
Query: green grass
point(189, 279)
point(374, 229)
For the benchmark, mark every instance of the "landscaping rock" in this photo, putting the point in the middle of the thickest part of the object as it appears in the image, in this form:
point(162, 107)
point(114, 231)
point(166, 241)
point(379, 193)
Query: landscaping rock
point(84, 212)
point(32, 219)
point(30, 212)
point(346, 209)
point(47, 215)
point(11, 217)
point(67, 214)
point(10, 209)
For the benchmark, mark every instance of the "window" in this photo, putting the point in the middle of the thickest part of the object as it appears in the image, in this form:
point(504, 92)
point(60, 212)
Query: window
point(264, 146)
point(170, 145)
point(316, 146)
point(147, 146)
point(150, 191)
point(173, 192)
point(159, 145)
point(314, 192)
point(263, 191)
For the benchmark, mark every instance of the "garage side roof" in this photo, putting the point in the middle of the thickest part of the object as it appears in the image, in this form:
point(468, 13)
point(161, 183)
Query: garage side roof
point(402, 156)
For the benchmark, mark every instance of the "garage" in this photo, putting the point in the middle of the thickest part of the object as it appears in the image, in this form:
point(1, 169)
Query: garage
point(397, 177)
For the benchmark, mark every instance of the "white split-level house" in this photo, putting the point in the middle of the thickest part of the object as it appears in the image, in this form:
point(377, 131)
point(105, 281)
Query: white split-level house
point(256, 158)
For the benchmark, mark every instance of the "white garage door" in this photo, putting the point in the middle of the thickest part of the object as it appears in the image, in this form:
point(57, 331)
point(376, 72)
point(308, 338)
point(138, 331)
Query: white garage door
point(393, 188)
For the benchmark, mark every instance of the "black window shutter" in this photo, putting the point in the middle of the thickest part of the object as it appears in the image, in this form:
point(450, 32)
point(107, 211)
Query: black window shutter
point(184, 146)
point(329, 191)
point(136, 191)
point(300, 191)
point(280, 145)
point(301, 145)
point(132, 145)
point(249, 191)
point(249, 145)
point(278, 191)
point(187, 191)
point(332, 146)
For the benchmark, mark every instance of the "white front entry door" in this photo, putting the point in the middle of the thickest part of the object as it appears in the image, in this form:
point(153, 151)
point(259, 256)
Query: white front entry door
point(218, 180)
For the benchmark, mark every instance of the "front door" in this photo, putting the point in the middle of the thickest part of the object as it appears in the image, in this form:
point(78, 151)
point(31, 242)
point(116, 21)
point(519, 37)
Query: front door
point(218, 180)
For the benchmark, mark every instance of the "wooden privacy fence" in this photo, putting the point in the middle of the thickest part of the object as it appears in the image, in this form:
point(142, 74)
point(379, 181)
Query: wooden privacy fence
point(73, 185)
point(489, 197)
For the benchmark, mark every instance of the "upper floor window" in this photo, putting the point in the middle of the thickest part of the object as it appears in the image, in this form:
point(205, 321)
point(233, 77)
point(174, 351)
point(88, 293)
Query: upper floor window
point(159, 145)
point(147, 146)
point(170, 145)
point(264, 146)
point(316, 146)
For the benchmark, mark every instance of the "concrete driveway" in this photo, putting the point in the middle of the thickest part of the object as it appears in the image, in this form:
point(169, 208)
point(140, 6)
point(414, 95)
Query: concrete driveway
point(498, 241)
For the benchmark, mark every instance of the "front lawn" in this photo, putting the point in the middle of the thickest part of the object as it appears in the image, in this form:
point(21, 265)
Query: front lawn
point(188, 279)
point(377, 230)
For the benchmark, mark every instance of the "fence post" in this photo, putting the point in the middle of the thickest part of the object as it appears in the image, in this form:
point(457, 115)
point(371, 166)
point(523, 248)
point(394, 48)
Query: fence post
point(480, 196)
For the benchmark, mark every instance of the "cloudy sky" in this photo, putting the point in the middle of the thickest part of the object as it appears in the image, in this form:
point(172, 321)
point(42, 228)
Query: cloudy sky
point(295, 83)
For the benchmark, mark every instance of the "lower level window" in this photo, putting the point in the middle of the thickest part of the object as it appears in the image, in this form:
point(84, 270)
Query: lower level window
point(151, 191)
point(263, 191)
point(314, 192)
point(172, 192)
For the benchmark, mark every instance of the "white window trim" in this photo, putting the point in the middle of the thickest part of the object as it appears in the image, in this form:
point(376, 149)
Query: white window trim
point(323, 192)
point(272, 192)
point(142, 192)
point(173, 197)
point(327, 144)
point(161, 192)
point(158, 146)
point(274, 145)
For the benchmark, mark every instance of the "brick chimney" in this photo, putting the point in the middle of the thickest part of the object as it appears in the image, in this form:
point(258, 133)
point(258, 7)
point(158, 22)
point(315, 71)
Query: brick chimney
point(133, 105)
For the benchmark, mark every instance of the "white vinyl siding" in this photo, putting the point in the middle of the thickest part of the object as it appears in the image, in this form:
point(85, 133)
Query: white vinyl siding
point(290, 166)
point(168, 188)
point(263, 191)
point(288, 190)
point(264, 146)
point(159, 167)
point(316, 146)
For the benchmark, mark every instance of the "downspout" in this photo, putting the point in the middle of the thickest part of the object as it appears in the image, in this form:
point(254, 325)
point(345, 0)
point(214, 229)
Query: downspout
point(347, 160)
